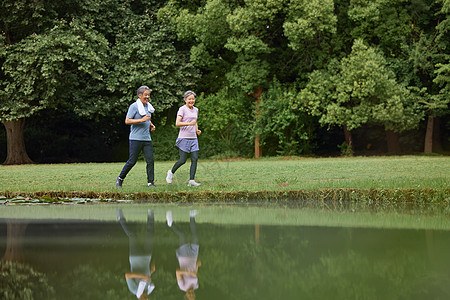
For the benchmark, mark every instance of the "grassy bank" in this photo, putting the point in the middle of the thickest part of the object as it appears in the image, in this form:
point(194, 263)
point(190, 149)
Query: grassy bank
point(405, 178)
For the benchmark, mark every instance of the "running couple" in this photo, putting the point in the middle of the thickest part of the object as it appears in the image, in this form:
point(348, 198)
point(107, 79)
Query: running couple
point(139, 279)
point(139, 116)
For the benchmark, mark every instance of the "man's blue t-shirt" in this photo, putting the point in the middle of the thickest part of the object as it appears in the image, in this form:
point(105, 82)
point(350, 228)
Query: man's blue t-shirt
point(139, 131)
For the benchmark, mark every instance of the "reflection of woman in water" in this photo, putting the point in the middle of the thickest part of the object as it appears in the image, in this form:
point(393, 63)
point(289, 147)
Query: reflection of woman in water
point(187, 255)
point(138, 280)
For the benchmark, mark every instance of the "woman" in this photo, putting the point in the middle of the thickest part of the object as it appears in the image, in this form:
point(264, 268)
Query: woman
point(187, 255)
point(187, 141)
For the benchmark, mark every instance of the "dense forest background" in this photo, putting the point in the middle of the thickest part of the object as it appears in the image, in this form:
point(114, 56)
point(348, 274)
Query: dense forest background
point(298, 77)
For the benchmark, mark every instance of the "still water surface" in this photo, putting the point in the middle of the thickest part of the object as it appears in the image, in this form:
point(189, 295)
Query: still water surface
point(73, 259)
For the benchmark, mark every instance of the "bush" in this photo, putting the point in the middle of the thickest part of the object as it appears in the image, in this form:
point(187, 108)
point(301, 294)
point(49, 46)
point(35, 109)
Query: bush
point(225, 121)
point(284, 126)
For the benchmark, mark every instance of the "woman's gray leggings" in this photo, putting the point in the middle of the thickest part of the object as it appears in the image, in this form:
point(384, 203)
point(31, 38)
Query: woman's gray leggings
point(182, 161)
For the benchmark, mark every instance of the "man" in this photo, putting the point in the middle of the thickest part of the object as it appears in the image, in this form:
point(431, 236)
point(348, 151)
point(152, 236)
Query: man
point(139, 280)
point(139, 117)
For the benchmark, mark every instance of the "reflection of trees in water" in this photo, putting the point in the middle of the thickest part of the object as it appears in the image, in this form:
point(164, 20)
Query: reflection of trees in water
point(288, 265)
point(276, 263)
point(89, 281)
point(19, 280)
point(352, 275)
point(15, 234)
point(254, 268)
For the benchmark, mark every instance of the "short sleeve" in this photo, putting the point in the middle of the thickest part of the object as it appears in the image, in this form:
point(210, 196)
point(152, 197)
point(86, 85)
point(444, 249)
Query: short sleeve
point(132, 110)
point(180, 112)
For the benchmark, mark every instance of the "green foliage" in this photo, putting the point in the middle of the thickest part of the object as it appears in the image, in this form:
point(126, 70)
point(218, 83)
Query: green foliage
point(144, 55)
point(384, 23)
point(346, 149)
point(224, 118)
point(442, 79)
point(65, 64)
point(205, 30)
point(79, 55)
point(360, 90)
point(282, 122)
point(308, 20)
point(163, 140)
point(242, 45)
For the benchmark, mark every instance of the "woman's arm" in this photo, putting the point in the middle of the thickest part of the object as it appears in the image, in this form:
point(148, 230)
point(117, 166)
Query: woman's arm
point(178, 122)
point(181, 272)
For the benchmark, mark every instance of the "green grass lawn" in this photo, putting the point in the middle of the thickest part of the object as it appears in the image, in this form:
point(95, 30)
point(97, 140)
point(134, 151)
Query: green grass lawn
point(275, 174)
point(372, 184)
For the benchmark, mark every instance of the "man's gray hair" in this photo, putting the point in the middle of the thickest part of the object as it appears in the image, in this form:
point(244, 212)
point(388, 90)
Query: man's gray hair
point(142, 89)
point(188, 93)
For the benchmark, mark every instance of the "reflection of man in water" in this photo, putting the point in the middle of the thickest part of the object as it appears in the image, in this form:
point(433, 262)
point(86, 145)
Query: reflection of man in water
point(138, 280)
point(187, 255)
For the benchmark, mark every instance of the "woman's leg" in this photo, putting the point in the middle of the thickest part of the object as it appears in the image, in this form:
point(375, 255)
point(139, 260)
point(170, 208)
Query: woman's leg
point(193, 170)
point(181, 235)
point(181, 161)
point(193, 230)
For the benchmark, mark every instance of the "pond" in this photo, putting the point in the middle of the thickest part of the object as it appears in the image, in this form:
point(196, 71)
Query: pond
point(221, 252)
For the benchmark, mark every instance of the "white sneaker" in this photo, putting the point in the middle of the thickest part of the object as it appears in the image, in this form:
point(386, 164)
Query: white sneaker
point(169, 218)
point(169, 176)
point(193, 183)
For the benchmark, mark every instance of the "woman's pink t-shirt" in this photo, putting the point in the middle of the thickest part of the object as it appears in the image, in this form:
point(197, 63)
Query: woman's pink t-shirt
point(187, 115)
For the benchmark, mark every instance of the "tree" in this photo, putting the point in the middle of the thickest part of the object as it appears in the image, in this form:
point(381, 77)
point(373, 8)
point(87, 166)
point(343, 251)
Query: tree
point(243, 45)
point(414, 37)
point(72, 55)
point(46, 62)
point(360, 90)
point(64, 66)
point(439, 102)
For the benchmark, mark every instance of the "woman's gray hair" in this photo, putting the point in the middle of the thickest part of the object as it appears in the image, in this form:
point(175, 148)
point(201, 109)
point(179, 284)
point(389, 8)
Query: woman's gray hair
point(188, 93)
point(142, 89)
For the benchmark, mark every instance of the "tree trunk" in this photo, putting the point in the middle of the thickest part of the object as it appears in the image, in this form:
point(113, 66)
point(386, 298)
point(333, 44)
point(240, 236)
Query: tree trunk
point(429, 135)
point(348, 140)
point(257, 95)
point(16, 152)
point(437, 145)
point(393, 142)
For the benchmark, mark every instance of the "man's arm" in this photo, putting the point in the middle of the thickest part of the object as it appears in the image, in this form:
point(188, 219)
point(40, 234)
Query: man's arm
point(137, 275)
point(129, 121)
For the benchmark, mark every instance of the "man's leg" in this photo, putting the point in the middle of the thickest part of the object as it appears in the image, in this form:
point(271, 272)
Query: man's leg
point(135, 148)
point(148, 154)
